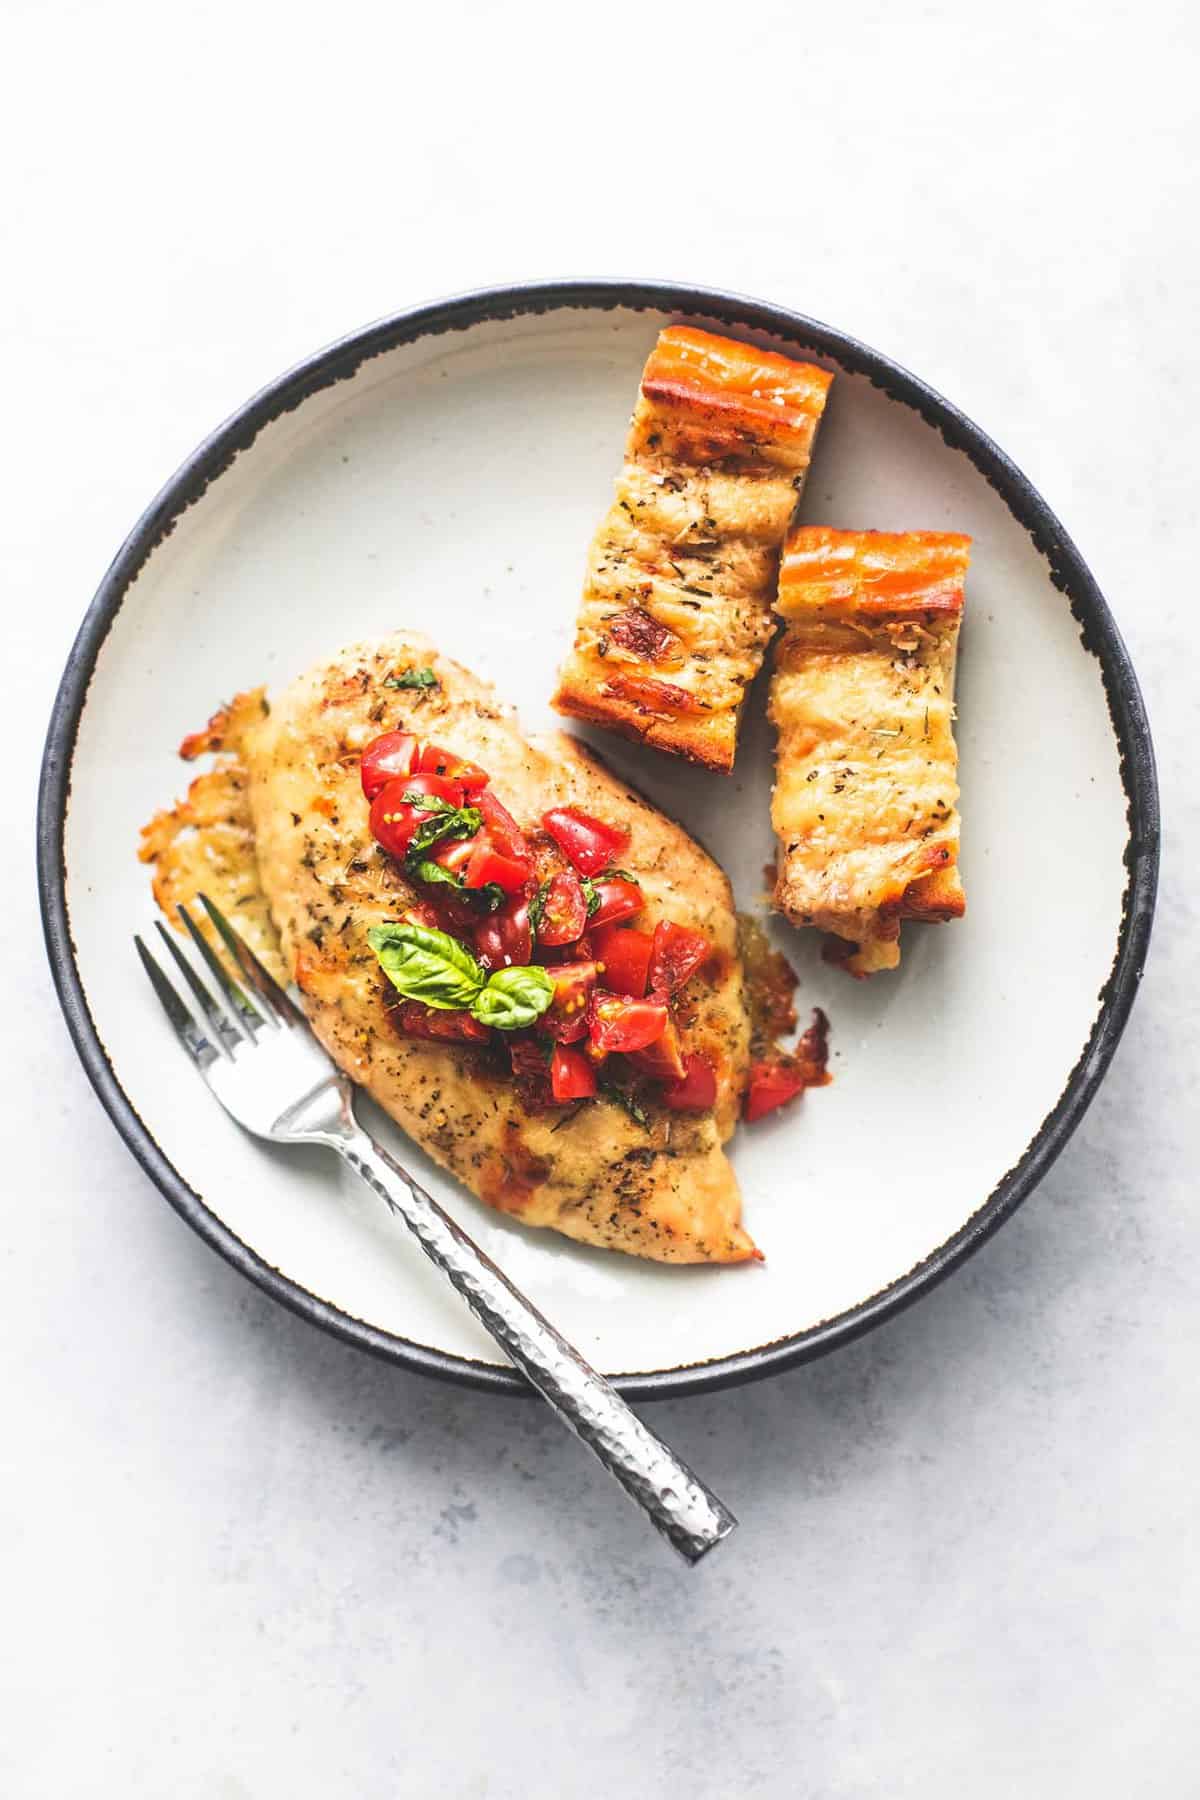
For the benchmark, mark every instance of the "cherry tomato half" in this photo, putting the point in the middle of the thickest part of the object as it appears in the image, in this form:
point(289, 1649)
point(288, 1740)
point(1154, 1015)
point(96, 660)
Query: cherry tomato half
point(503, 829)
point(590, 843)
point(697, 1088)
point(676, 956)
point(392, 821)
point(394, 753)
point(571, 1075)
point(437, 787)
point(416, 1020)
point(567, 1017)
point(564, 910)
point(434, 761)
point(454, 854)
point(621, 1023)
point(506, 939)
point(625, 954)
point(771, 1084)
point(619, 899)
point(490, 865)
point(662, 1058)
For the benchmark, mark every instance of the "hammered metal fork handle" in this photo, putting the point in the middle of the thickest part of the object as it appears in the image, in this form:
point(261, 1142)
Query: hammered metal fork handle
point(688, 1515)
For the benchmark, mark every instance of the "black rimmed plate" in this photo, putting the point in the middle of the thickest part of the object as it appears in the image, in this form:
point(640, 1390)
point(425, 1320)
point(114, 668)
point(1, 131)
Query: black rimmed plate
point(444, 469)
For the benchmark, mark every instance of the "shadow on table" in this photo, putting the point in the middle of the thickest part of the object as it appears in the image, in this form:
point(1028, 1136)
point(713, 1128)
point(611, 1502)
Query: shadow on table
point(997, 1326)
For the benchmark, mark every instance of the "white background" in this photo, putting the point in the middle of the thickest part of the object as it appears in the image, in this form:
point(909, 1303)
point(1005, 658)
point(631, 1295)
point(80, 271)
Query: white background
point(240, 1560)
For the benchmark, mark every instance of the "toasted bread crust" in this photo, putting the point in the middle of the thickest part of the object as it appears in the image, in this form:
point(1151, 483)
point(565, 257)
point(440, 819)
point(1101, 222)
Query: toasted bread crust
point(716, 455)
point(862, 699)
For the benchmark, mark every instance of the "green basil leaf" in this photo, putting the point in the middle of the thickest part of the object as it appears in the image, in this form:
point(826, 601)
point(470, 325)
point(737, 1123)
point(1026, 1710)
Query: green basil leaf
point(514, 998)
point(429, 802)
point(427, 965)
point(448, 821)
point(491, 896)
point(590, 894)
point(620, 875)
point(412, 678)
point(434, 872)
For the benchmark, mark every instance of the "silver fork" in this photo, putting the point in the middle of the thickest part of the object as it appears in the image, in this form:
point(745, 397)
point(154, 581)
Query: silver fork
point(255, 1050)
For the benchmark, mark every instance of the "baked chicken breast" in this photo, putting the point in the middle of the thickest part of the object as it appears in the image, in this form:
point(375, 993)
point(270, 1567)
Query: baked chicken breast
point(676, 609)
point(281, 834)
point(865, 802)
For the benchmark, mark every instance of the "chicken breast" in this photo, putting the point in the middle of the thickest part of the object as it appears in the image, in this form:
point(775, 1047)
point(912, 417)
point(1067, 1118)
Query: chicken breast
point(865, 803)
point(662, 1188)
point(676, 610)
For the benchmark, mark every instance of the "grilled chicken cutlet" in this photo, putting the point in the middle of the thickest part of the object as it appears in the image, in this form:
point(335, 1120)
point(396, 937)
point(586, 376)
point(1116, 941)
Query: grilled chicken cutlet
point(533, 971)
point(676, 609)
point(865, 803)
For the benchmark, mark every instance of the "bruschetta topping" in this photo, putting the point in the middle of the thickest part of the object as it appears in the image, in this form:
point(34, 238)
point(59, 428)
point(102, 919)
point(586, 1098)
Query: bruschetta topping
point(523, 939)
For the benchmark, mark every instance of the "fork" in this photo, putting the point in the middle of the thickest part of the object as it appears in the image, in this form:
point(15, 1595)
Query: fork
point(253, 1046)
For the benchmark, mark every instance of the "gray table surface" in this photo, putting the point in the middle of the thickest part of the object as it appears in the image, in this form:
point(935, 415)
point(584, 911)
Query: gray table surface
point(239, 1559)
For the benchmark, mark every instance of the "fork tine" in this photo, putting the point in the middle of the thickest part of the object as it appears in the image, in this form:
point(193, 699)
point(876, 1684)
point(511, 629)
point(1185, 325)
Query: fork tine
point(260, 978)
point(227, 1038)
point(243, 1008)
point(182, 1022)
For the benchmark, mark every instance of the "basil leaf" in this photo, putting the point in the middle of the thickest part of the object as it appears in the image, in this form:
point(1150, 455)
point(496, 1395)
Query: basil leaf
point(434, 872)
point(427, 965)
point(514, 998)
point(620, 875)
point(447, 821)
point(590, 894)
point(491, 896)
point(412, 678)
point(429, 802)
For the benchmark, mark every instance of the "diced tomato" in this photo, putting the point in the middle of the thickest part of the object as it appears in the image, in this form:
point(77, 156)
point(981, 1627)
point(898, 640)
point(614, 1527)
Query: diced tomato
point(662, 1059)
point(392, 754)
point(506, 939)
point(590, 843)
point(696, 1089)
point(625, 954)
point(567, 1017)
point(571, 1075)
point(503, 829)
point(454, 854)
point(621, 1023)
point(676, 956)
point(619, 899)
point(438, 787)
point(416, 1020)
point(489, 864)
point(771, 1084)
point(392, 821)
point(564, 910)
point(469, 775)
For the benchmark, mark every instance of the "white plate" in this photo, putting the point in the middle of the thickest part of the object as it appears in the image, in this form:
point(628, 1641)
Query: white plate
point(445, 470)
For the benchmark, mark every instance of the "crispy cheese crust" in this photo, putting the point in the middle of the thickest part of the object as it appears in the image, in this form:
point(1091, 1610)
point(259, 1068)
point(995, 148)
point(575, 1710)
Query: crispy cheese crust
point(278, 834)
point(675, 615)
point(865, 802)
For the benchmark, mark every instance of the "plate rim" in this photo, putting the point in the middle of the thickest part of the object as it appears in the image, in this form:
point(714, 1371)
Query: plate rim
point(339, 361)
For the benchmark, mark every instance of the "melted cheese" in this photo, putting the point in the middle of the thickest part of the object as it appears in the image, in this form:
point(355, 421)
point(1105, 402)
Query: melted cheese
point(289, 789)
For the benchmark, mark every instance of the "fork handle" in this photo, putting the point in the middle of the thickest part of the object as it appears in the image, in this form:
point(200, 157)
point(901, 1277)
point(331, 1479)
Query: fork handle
point(683, 1509)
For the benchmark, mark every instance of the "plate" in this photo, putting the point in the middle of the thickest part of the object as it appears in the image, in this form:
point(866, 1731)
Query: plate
point(445, 469)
